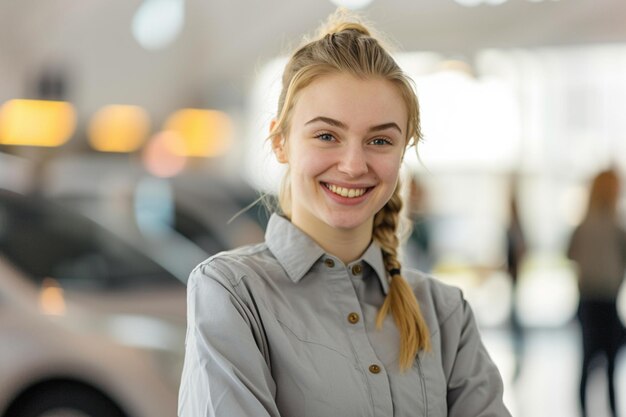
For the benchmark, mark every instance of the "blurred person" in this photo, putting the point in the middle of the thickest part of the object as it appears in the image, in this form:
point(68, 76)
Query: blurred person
point(515, 252)
point(418, 250)
point(598, 246)
point(320, 319)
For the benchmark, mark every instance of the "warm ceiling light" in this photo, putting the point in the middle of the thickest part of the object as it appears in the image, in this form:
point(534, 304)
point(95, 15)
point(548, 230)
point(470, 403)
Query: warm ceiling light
point(205, 133)
point(36, 122)
point(119, 128)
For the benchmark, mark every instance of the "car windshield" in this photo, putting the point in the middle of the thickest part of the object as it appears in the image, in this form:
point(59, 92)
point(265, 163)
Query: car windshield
point(47, 241)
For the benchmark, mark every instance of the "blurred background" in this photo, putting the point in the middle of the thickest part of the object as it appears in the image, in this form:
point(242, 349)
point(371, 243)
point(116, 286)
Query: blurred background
point(132, 132)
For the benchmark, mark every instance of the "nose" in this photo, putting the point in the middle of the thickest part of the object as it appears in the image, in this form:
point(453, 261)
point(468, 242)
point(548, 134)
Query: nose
point(353, 161)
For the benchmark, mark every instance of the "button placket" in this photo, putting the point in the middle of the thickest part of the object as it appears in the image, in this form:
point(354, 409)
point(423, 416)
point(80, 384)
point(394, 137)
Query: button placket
point(365, 356)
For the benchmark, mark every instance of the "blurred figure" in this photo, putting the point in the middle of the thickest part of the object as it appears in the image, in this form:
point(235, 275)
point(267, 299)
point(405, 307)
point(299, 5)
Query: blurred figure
point(515, 252)
point(418, 252)
point(598, 246)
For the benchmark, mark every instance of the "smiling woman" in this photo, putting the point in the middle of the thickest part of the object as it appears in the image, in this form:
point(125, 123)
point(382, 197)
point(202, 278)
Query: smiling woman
point(320, 319)
point(344, 168)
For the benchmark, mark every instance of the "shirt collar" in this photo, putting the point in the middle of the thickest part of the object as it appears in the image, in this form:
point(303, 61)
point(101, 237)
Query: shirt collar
point(297, 252)
point(374, 257)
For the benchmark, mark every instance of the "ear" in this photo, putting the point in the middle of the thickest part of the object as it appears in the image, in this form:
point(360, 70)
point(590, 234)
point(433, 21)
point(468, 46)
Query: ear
point(279, 145)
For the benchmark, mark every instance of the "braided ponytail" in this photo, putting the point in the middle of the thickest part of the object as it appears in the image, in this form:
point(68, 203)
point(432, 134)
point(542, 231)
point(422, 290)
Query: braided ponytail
point(400, 300)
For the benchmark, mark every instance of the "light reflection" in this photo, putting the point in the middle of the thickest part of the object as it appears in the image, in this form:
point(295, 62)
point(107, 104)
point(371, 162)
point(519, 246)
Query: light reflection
point(36, 122)
point(161, 337)
point(204, 133)
point(51, 298)
point(163, 155)
point(157, 23)
point(143, 331)
point(119, 128)
point(154, 206)
point(352, 4)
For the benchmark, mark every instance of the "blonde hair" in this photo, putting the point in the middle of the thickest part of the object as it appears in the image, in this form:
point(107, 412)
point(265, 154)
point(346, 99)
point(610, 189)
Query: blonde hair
point(345, 45)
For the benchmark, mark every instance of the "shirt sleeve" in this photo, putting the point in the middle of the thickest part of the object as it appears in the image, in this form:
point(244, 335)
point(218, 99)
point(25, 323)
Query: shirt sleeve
point(225, 373)
point(474, 383)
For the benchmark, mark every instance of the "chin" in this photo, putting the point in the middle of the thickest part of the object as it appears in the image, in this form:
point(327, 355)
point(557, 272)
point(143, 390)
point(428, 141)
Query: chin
point(345, 222)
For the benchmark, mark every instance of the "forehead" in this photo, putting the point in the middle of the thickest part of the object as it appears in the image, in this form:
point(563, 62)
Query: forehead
point(354, 101)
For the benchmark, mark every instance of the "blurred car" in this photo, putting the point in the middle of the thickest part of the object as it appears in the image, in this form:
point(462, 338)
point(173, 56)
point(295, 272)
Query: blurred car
point(90, 326)
point(175, 221)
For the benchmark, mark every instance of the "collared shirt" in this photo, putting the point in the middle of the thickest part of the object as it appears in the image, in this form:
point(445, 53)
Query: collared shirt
point(284, 329)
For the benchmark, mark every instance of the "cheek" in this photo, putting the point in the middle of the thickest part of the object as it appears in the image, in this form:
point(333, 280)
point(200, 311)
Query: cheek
point(308, 164)
point(388, 168)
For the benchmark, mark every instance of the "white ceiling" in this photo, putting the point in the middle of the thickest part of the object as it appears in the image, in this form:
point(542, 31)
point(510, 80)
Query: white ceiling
point(224, 42)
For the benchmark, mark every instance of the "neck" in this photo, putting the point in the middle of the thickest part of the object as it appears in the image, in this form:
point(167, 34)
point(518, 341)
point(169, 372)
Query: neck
point(346, 244)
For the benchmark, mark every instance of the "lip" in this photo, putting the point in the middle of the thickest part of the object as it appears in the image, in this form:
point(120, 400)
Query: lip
point(347, 200)
point(348, 185)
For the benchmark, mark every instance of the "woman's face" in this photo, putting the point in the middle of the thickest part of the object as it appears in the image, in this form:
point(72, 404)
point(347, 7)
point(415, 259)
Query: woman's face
point(344, 148)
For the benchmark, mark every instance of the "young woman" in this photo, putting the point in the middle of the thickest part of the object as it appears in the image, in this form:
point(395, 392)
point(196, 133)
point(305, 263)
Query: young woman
point(320, 319)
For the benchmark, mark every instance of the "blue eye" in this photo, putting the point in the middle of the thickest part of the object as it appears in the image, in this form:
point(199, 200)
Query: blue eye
point(326, 137)
point(381, 141)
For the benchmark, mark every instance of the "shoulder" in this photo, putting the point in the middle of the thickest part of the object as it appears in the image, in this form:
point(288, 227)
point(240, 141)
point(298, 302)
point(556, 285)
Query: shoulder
point(437, 300)
point(230, 267)
point(237, 278)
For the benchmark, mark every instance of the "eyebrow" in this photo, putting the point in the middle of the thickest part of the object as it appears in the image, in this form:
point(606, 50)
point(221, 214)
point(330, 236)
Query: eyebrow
point(342, 125)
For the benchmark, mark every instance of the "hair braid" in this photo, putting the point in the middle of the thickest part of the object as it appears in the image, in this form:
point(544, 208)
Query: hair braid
point(400, 300)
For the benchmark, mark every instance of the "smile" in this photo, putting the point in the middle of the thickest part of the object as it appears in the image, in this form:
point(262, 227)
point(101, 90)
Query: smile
point(346, 192)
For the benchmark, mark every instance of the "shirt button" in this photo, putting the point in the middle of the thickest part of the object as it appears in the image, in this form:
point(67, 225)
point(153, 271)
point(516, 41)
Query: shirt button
point(374, 369)
point(353, 318)
point(357, 269)
point(329, 262)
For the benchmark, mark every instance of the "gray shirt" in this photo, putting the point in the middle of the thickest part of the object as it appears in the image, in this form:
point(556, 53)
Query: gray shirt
point(284, 329)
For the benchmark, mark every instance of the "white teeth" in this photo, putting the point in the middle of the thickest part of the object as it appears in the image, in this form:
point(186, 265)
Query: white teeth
point(346, 192)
